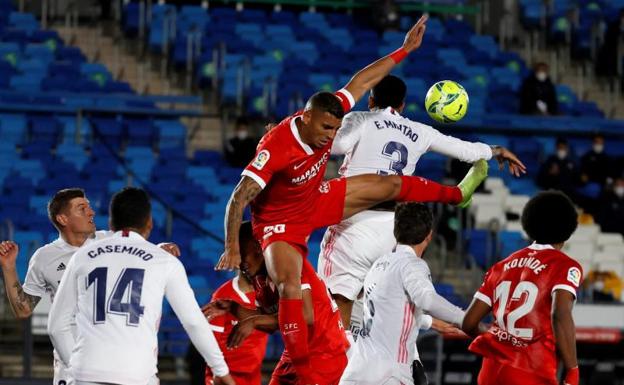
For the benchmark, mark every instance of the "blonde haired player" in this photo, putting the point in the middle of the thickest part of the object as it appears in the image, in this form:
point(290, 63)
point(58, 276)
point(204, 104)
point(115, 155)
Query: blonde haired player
point(70, 213)
point(114, 288)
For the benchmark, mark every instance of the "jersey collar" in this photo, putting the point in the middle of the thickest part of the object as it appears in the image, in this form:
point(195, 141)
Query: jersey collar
point(238, 290)
point(405, 249)
point(130, 235)
point(63, 245)
point(537, 246)
point(293, 128)
point(387, 110)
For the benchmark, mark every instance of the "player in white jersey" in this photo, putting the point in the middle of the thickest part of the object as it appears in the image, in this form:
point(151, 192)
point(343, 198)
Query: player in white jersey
point(114, 288)
point(381, 141)
point(70, 212)
point(398, 292)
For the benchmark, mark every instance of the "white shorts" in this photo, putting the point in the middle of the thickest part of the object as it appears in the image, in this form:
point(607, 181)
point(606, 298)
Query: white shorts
point(62, 375)
point(367, 368)
point(350, 248)
point(153, 381)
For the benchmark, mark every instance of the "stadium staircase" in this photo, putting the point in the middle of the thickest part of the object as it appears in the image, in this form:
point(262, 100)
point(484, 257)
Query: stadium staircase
point(127, 62)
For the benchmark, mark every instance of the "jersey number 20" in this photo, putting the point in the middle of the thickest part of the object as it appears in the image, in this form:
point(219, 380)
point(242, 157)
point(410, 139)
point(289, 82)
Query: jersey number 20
point(502, 294)
point(130, 280)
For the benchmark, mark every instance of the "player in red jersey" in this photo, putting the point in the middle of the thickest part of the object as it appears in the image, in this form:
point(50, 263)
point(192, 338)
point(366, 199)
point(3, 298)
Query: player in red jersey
point(244, 361)
point(290, 199)
point(327, 340)
point(531, 294)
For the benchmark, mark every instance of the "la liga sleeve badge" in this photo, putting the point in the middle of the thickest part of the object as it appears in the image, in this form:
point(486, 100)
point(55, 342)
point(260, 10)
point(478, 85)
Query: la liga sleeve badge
point(261, 159)
point(574, 276)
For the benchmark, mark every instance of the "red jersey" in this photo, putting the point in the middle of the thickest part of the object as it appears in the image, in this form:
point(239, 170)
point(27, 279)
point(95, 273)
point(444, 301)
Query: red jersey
point(290, 172)
point(327, 338)
point(519, 289)
point(247, 358)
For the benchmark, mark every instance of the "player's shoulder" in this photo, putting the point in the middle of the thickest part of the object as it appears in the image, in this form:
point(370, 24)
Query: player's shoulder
point(102, 234)
point(47, 251)
point(224, 291)
point(405, 258)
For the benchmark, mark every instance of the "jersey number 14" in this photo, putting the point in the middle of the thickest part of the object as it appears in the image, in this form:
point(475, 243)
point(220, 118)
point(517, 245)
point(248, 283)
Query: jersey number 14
point(130, 280)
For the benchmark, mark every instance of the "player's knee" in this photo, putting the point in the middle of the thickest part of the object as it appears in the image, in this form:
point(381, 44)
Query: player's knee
point(290, 289)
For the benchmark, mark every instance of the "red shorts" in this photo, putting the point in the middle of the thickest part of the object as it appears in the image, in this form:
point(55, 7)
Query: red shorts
point(254, 378)
point(328, 210)
point(494, 373)
point(328, 371)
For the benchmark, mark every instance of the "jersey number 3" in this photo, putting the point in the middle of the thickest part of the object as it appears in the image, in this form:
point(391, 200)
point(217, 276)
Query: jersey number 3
point(502, 294)
point(396, 166)
point(130, 281)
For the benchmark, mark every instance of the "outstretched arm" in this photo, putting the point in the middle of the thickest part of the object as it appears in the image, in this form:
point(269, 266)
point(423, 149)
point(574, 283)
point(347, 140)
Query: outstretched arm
point(21, 303)
point(246, 190)
point(368, 77)
point(475, 313)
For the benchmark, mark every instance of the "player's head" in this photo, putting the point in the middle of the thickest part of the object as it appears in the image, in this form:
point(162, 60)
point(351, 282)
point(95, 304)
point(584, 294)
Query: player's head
point(389, 92)
point(549, 218)
point(130, 209)
point(322, 117)
point(413, 224)
point(69, 211)
point(252, 261)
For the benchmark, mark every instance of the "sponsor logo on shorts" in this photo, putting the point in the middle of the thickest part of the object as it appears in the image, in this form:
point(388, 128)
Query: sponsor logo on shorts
point(574, 276)
point(261, 159)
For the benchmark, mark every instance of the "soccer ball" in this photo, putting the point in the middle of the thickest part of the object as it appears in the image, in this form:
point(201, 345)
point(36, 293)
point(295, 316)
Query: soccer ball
point(446, 101)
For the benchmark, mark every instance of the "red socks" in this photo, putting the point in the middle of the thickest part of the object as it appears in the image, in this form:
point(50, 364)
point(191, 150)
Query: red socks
point(295, 334)
point(417, 189)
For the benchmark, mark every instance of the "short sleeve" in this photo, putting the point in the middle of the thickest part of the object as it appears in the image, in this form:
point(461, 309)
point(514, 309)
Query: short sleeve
point(346, 99)
point(349, 133)
point(568, 277)
point(269, 160)
point(35, 283)
point(485, 292)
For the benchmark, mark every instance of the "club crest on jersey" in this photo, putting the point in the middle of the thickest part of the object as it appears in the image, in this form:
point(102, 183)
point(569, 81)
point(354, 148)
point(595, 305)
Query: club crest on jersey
point(261, 159)
point(574, 276)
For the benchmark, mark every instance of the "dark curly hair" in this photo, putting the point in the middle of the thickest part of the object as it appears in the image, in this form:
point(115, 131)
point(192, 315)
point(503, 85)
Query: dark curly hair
point(550, 217)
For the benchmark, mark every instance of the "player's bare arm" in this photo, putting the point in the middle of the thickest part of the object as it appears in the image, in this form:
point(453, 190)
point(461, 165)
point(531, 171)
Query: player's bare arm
point(22, 304)
point(472, 319)
point(565, 333)
point(267, 323)
point(366, 78)
point(503, 155)
point(246, 190)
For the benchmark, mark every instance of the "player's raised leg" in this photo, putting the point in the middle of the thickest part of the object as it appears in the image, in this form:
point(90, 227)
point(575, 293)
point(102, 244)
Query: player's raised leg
point(365, 191)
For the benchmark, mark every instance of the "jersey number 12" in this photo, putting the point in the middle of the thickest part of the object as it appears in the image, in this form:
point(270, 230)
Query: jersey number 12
point(130, 280)
point(502, 294)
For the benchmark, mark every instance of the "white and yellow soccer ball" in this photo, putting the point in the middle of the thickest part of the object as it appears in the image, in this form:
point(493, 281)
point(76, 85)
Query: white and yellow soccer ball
point(446, 101)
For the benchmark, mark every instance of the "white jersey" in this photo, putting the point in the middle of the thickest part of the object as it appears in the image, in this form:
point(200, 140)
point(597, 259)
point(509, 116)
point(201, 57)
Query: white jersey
point(397, 292)
point(45, 270)
point(115, 288)
point(48, 263)
point(383, 142)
